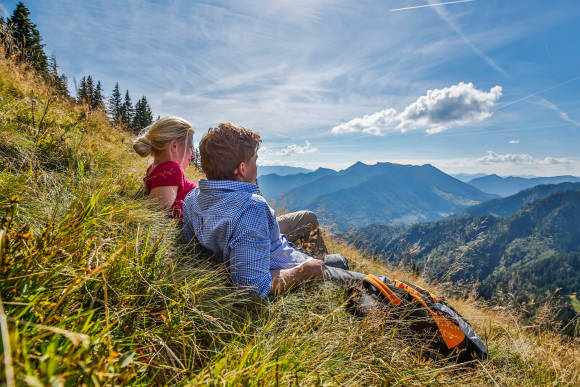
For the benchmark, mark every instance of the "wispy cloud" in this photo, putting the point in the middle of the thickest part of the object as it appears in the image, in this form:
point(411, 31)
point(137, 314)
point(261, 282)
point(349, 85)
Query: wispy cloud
point(431, 5)
point(443, 14)
point(521, 158)
point(549, 105)
point(437, 111)
point(514, 141)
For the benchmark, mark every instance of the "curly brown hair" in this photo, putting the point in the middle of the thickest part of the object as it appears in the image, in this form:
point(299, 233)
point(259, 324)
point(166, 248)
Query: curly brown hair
point(223, 148)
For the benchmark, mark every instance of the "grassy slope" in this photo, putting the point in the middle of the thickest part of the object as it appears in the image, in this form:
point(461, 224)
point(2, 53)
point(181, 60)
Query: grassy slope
point(95, 288)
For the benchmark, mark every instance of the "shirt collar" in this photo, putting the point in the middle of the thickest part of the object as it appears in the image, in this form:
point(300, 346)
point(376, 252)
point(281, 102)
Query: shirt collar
point(209, 186)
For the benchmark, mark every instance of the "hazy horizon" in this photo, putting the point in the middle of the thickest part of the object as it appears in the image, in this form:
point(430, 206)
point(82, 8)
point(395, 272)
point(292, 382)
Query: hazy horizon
point(527, 176)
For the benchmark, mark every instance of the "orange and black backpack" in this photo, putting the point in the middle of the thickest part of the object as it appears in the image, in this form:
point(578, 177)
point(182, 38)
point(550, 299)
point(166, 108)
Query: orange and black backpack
point(437, 326)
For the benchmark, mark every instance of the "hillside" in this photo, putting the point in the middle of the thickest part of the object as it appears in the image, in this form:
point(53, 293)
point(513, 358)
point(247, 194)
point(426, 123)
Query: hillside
point(506, 186)
point(498, 255)
point(382, 193)
point(95, 288)
point(510, 204)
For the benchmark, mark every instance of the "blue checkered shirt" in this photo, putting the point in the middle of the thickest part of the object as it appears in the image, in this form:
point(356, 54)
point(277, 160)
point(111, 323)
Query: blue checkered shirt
point(238, 225)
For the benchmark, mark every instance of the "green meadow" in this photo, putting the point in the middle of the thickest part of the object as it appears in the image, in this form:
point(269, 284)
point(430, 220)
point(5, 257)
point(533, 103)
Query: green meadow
point(97, 289)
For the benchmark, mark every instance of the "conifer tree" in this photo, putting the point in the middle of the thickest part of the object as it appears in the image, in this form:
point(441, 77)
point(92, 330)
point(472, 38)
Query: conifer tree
point(58, 81)
point(26, 38)
point(115, 105)
point(97, 98)
point(4, 34)
point(143, 116)
point(127, 111)
point(83, 92)
point(90, 91)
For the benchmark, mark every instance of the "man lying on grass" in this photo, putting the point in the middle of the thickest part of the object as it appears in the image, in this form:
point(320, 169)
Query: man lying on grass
point(228, 216)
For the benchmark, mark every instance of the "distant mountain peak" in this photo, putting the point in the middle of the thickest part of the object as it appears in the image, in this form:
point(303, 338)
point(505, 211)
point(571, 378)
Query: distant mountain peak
point(322, 169)
point(358, 164)
point(380, 193)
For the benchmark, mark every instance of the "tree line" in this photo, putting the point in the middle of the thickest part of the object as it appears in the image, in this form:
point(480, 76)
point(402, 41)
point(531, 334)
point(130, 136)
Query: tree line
point(121, 111)
point(21, 39)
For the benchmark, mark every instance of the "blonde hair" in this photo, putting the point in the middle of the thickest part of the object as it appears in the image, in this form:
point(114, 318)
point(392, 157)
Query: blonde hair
point(157, 136)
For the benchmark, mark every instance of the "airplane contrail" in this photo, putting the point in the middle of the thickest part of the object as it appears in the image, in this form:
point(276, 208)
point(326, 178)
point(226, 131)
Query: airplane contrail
point(443, 14)
point(431, 5)
point(539, 92)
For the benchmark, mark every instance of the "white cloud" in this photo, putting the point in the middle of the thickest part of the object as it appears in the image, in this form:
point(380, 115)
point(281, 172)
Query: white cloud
point(437, 111)
point(375, 124)
point(521, 158)
point(549, 105)
point(292, 150)
point(455, 105)
point(514, 141)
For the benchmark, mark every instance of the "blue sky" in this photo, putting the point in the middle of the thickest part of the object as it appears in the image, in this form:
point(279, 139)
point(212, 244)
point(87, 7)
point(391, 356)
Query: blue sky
point(475, 86)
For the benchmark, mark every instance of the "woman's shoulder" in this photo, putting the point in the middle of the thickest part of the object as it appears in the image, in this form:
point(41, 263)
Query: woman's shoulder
point(168, 173)
point(166, 165)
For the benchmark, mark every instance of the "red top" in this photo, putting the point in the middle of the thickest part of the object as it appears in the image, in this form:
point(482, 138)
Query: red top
point(169, 174)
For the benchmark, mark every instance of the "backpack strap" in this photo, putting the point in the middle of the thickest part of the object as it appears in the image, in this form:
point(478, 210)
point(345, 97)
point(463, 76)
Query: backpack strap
point(384, 289)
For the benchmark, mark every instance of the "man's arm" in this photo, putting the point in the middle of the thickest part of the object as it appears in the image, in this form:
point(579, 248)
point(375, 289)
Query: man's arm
point(285, 279)
point(249, 258)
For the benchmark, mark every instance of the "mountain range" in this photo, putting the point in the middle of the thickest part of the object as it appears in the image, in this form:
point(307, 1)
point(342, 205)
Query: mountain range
point(281, 170)
point(466, 177)
point(363, 194)
point(510, 204)
point(506, 186)
point(530, 254)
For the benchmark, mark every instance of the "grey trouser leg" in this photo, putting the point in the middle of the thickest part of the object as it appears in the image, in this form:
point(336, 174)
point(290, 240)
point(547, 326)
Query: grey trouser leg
point(336, 269)
point(303, 224)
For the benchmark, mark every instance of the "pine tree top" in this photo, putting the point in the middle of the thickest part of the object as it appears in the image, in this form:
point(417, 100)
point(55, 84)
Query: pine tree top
point(27, 38)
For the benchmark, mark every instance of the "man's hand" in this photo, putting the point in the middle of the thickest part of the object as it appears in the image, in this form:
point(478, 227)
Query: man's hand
point(311, 269)
point(283, 280)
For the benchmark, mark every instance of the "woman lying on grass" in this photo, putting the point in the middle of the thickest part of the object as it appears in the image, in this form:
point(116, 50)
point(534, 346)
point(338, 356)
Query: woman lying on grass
point(170, 141)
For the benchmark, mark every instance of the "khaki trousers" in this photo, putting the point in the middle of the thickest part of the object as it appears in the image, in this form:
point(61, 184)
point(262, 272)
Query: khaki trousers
point(303, 225)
